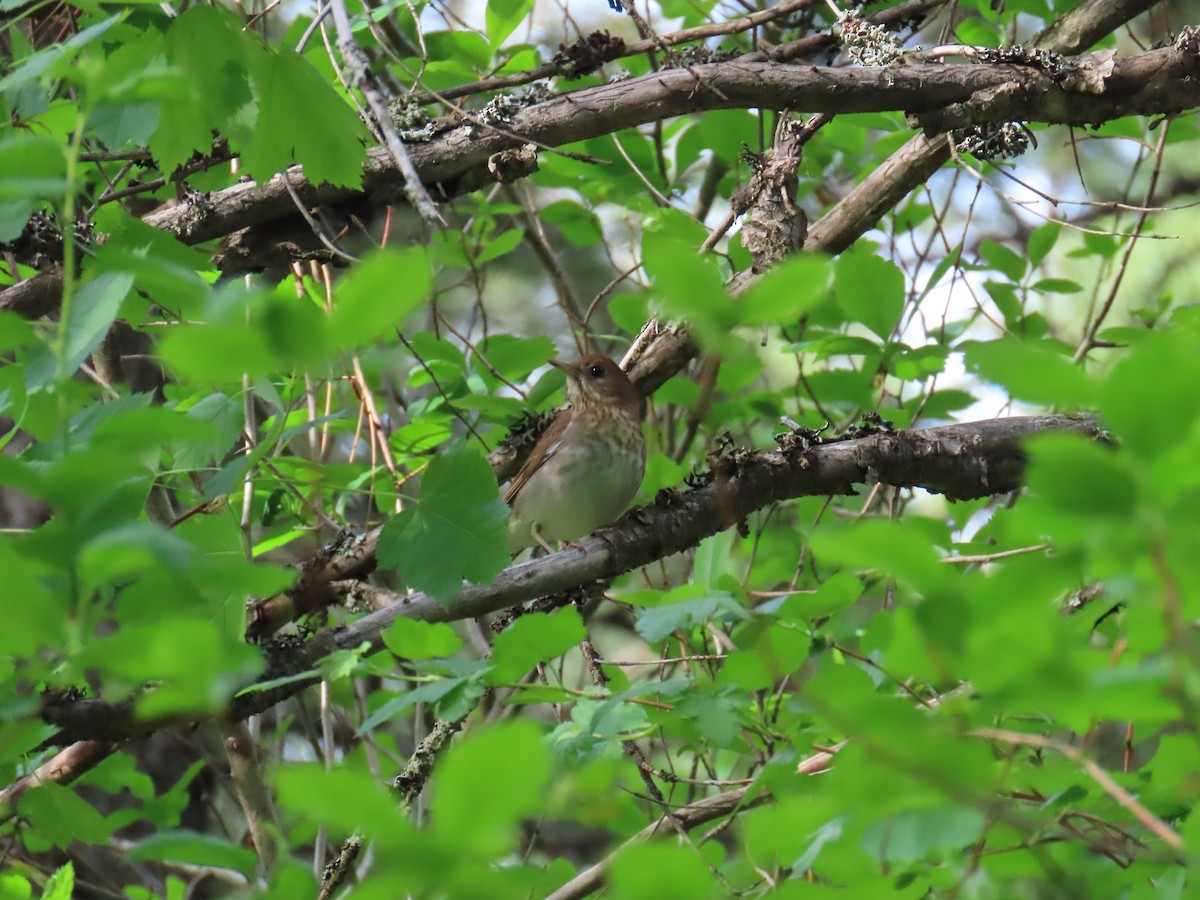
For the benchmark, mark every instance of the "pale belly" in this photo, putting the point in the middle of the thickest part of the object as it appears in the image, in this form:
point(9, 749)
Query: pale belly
point(575, 493)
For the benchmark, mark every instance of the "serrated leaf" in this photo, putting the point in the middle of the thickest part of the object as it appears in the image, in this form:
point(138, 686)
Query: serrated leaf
point(60, 885)
point(655, 624)
point(328, 139)
point(342, 663)
point(457, 530)
point(226, 417)
point(208, 45)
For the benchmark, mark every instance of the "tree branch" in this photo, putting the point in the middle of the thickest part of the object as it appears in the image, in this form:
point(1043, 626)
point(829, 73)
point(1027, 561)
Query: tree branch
point(962, 461)
point(454, 159)
point(1152, 83)
point(914, 163)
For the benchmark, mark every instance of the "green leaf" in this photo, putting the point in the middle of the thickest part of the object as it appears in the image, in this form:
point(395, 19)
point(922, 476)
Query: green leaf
point(377, 295)
point(534, 638)
point(577, 223)
point(487, 783)
point(466, 48)
point(714, 560)
point(61, 816)
point(870, 290)
point(414, 639)
point(659, 869)
point(512, 357)
point(172, 285)
point(452, 698)
point(328, 139)
point(1057, 286)
point(226, 418)
point(788, 290)
point(655, 624)
point(503, 16)
point(196, 666)
point(56, 58)
point(716, 711)
point(60, 885)
point(499, 246)
point(904, 549)
point(1151, 392)
point(690, 286)
point(195, 849)
point(31, 168)
point(342, 663)
point(1081, 478)
point(12, 885)
point(209, 47)
point(347, 799)
point(216, 353)
point(1004, 260)
point(1038, 371)
point(835, 594)
point(457, 529)
point(947, 262)
point(915, 834)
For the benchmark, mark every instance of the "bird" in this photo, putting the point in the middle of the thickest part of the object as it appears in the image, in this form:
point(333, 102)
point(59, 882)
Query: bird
point(587, 466)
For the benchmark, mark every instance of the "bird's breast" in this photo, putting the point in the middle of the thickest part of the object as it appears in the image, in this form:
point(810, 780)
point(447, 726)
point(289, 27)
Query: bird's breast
point(587, 481)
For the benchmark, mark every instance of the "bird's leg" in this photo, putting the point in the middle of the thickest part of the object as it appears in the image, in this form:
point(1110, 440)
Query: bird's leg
point(536, 533)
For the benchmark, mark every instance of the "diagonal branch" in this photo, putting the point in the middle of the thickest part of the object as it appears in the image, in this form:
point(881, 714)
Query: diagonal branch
point(1155, 83)
point(962, 461)
point(914, 163)
point(1151, 83)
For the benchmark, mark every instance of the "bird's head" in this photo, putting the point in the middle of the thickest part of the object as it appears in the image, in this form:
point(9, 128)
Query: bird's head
point(595, 379)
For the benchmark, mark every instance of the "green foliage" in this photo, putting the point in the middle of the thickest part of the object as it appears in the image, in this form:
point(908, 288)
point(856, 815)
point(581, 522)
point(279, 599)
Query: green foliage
point(456, 530)
point(985, 698)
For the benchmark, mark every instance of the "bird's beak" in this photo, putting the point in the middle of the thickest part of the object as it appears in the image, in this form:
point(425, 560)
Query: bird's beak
point(566, 368)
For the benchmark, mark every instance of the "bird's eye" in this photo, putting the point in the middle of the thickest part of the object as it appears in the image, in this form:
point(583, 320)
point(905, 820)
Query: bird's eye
point(596, 371)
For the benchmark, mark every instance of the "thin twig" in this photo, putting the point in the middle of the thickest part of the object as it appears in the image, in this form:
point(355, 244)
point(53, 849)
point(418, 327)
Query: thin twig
point(1101, 777)
point(360, 73)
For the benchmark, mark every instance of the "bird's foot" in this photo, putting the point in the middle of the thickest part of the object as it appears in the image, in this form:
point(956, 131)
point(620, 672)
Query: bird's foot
point(536, 534)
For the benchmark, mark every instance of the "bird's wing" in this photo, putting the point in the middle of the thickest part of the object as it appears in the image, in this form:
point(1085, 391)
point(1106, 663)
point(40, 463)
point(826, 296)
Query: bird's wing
point(545, 448)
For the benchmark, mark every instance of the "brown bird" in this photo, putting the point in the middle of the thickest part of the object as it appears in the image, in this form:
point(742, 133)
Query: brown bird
point(587, 466)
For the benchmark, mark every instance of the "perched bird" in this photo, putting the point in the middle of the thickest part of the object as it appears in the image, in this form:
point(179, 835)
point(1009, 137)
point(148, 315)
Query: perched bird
point(586, 467)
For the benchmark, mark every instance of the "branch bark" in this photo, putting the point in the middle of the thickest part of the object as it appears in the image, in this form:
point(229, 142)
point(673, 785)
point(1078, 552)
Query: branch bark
point(1158, 82)
point(914, 163)
point(962, 461)
point(1155, 83)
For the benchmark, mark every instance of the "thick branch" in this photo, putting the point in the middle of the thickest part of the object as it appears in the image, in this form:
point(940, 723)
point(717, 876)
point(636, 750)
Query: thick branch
point(1154, 83)
point(914, 163)
point(454, 160)
point(962, 461)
